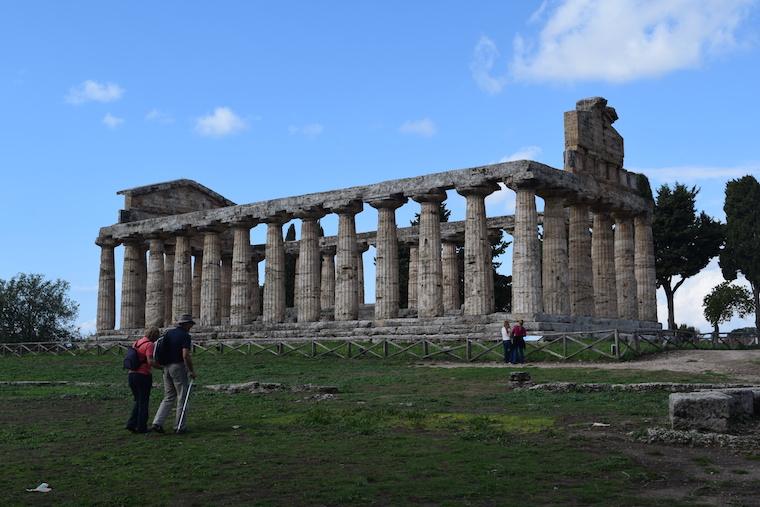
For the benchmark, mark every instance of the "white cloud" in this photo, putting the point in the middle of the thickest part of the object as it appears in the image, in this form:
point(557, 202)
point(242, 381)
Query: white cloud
point(311, 130)
point(87, 327)
point(501, 202)
point(424, 127)
point(484, 57)
point(222, 122)
point(112, 121)
point(157, 116)
point(623, 40)
point(524, 153)
point(690, 174)
point(92, 91)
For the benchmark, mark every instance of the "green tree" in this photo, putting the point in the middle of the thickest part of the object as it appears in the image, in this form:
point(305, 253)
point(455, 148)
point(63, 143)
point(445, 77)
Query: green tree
point(684, 241)
point(742, 252)
point(725, 301)
point(34, 309)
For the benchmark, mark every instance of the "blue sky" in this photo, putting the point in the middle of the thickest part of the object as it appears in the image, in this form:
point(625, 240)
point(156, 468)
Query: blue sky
point(261, 100)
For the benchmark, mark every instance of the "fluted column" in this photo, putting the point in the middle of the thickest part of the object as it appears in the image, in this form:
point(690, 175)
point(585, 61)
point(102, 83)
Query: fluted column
point(603, 261)
point(412, 279)
point(624, 268)
point(581, 272)
point(196, 284)
point(182, 297)
point(106, 316)
point(360, 249)
point(386, 258)
point(308, 295)
point(168, 283)
point(327, 279)
point(226, 287)
point(555, 273)
point(346, 282)
point(274, 273)
point(478, 277)
point(253, 278)
point(131, 302)
point(527, 297)
point(646, 277)
point(429, 269)
point(142, 265)
point(450, 267)
point(211, 280)
point(154, 299)
point(240, 297)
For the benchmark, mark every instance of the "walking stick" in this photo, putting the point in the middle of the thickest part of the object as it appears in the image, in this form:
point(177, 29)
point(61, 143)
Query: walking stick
point(184, 406)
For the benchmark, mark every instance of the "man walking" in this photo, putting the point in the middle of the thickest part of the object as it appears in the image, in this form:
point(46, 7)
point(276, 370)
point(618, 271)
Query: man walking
point(179, 364)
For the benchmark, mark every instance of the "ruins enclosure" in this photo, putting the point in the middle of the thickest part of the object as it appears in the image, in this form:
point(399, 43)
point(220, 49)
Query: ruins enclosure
point(187, 250)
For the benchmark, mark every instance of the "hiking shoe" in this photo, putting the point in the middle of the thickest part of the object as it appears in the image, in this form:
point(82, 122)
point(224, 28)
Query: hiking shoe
point(157, 429)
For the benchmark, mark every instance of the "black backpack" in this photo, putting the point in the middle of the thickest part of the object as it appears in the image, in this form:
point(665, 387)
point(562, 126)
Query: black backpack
point(132, 358)
point(161, 350)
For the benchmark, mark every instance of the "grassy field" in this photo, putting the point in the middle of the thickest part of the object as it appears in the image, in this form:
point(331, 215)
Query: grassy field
point(396, 434)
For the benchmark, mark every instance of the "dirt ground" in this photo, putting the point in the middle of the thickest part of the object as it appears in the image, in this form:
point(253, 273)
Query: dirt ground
point(742, 365)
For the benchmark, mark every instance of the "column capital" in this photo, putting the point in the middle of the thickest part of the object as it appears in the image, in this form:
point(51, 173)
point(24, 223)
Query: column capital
point(453, 237)
point(215, 228)
point(621, 216)
point(257, 255)
point(243, 222)
point(328, 249)
point(106, 241)
point(433, 195)
point(279, 217)
point(350, 207)
point(393, 201)
point(482, 189)
point(310, 213)
point(362, 246)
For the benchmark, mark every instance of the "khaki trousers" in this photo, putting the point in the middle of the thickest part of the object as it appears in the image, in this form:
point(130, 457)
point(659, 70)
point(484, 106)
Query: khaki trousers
point(175, 391)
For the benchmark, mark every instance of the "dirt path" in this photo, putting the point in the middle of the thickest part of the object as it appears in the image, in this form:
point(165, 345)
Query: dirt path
point(744, 365)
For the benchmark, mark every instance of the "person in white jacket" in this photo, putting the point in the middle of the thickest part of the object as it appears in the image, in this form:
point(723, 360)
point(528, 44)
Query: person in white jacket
point(506, 340)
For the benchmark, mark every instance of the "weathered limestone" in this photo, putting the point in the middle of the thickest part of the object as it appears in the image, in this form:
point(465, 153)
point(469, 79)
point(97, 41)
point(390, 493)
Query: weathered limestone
point(154, 301)
point(196, 281)
point(327, 290)
point(308, 294)
point(142, 278)
point(240, 297)
point(274, 273)
point(429, 269)
point(555, 273)
point(478, 270)
point(253, 278)
point(106, 316)
point(646, 277)
point(581, 273)
point(450, 266)
point(226, 287)
point(360, 249)
point(702, 411)
point(527, 297)
point(168, 283)
point(603, 261)
point(412, 279)
point(182, 299)
point(624, 268)
point(346, 281)
point(131, 302)
point(211, 280)
point(386, 259)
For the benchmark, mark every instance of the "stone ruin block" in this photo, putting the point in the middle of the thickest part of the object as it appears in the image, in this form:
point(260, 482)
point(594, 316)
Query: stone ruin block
point(743, 401)
point(704, 410)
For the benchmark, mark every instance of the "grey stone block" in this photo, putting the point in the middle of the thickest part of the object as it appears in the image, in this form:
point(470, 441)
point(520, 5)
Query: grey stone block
point(744, 401)
point(705, 411)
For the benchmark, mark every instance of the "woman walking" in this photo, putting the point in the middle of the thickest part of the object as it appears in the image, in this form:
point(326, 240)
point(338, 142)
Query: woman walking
point(141, 381)
point(506, 340)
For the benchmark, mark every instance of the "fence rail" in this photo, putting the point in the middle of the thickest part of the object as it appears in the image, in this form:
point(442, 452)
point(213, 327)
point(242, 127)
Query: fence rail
point(593, 345)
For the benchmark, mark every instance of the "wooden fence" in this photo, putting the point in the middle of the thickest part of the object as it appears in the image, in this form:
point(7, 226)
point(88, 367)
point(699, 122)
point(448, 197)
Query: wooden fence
point(590, 346)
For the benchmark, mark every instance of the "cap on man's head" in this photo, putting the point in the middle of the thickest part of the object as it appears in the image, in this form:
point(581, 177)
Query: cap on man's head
point(186, 319)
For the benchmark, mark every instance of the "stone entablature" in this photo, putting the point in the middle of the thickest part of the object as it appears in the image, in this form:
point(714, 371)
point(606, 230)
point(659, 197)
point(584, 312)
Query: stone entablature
point(168, 198)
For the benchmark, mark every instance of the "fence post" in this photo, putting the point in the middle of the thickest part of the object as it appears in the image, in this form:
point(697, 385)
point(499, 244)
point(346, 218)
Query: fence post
point(313, 348)
point(564, 347)
point(468, 350)
point(617, 344)
point(425, 347)
point(385, 348)
point(348, 352)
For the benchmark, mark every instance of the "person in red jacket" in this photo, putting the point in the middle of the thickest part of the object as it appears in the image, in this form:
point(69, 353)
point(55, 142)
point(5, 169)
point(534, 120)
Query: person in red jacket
point(518, 343)
point(141, 382)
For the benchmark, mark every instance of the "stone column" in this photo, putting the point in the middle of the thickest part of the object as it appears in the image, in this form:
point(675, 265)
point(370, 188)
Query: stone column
point(386, 258)
point(646, 277)
point(527, 296)
point(211, 280)
point(327, 296)
point(253, 277)
point(478, 277)
point(308, 295)
point(142, 265)
point(131, 302)
point(240, 286)
point(603, 262)
point(154, 299)
point(346, 281)
point(168, 283)
point(106, 316)
point(360, 249)
point(226, 287)
point(555, 274)
point(450, 266)
point(196, 284)
point(581, 272)
point(624, 268)
point(429, 269)
point(182, 299)
point(414, 258)
point(274, 273)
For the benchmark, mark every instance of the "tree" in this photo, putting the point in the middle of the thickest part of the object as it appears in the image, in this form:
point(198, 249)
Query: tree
point(725, 301)
point(34, 309)
point(743, 235)
point(684, 242)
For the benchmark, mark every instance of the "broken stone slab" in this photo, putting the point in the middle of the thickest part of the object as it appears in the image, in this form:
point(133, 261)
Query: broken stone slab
point(744, 401)
point(269, 387)
point(519, 376)
point(696, 439)
point(702, 410)
point(638, 387)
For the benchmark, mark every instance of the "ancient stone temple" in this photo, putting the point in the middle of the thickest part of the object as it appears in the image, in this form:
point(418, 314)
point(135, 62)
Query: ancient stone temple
point(586, 263)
